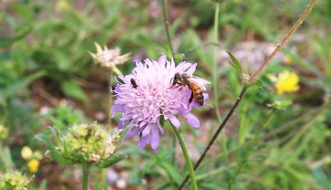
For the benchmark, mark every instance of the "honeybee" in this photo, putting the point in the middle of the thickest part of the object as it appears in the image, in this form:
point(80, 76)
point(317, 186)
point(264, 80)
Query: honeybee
point(134, 83)
point(193, 84)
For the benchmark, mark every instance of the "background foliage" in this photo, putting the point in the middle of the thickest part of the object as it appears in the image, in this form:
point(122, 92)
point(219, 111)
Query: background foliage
point(49, 79)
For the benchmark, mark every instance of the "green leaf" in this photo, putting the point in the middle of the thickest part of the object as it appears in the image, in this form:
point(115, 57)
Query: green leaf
point(19, 84)
point(9, 186)
point(172, 172)
point(72, 89)
point(111, 160)
point(63, 62)
point(43, 185)
point(281, 105)
point(10, 40)
point(7, 159)
point(122, 135)
point(235, 64)
point(54, 152)
point(254, 83)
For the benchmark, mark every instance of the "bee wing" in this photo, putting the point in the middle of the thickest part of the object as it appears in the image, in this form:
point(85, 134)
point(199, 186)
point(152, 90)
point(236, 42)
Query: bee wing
point(201, 80)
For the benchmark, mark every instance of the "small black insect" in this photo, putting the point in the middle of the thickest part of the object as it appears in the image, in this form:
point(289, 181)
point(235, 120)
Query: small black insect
point(134, 83)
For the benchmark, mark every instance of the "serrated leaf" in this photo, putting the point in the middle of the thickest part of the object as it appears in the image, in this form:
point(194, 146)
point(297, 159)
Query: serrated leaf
point(172, 172)
point(235, 63)
point(111, 160)
point(72, 89)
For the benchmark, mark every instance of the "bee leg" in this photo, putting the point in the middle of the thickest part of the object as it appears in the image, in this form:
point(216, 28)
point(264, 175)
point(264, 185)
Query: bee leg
point(191, 98)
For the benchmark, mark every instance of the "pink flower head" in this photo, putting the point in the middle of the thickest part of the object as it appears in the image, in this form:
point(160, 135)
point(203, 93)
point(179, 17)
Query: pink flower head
point(147, 94)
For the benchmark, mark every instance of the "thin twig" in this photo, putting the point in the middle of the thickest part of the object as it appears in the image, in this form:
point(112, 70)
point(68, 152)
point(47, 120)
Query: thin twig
point(287, 37)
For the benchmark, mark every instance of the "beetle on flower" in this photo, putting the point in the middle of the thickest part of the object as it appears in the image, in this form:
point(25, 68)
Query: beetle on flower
point(148, 93)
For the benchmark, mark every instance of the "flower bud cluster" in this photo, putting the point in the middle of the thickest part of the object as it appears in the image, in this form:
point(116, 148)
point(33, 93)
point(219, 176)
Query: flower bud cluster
point(14, 179)
point(87, 142)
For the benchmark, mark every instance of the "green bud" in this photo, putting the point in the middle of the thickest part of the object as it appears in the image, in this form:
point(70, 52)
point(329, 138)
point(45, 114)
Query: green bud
point(87, 142)
point(281, 105)
point(14, 180)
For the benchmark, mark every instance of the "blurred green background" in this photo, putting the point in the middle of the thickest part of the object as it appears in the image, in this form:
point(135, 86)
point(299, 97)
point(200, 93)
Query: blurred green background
point(47, 78)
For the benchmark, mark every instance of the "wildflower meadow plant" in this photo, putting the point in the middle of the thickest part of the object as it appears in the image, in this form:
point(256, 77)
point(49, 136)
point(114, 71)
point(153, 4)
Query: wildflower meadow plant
point(87, 144)
point(147, 95)
point(14, 180)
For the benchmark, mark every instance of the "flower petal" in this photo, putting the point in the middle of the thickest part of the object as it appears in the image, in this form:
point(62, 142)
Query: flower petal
point(155, 142)
point(134, 131)
point(143, 141)
point(174, 121)
point(192, 69)
point(192, 119)
point(147, 130)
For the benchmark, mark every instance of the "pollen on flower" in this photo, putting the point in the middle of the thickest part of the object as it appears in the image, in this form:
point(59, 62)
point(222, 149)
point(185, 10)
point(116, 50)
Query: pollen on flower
point(287, 82)
point(147, 95)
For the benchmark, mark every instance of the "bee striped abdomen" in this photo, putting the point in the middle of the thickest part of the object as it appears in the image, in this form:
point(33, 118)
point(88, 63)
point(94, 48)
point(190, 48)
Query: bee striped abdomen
point(197, 93)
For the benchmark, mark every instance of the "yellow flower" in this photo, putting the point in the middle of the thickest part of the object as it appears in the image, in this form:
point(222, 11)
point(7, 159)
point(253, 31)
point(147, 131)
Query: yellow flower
point(26, 152)
point(32, 158)
point(33, 165)
point(287, 82)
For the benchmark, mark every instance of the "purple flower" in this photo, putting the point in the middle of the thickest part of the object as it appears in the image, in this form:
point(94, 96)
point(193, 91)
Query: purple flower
point(147, 94)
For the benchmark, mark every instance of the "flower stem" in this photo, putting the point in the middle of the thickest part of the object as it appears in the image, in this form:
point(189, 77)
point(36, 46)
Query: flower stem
point(86, 168)
point(243, 161)
point(166, 26)
point(187, 157)
point(211, 142)
point(215, 74)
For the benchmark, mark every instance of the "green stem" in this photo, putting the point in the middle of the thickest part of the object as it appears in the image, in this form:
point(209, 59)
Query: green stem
point(86, 168)
point(173, 161)
point(187, 157)
point(110, 100)
point(215, 74)
point(250, 149)
point(166, 26)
